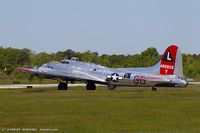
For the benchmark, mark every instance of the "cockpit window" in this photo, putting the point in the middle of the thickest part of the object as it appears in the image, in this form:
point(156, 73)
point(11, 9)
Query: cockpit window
point(64, 62)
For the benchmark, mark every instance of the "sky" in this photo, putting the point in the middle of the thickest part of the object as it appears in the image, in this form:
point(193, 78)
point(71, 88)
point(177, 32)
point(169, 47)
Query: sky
point(103, 26)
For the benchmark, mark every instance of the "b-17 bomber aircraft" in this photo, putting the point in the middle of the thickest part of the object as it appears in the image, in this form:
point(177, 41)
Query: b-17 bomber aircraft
point(167, 72)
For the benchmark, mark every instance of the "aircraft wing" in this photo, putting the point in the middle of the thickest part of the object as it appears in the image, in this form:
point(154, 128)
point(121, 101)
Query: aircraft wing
point(64, 75)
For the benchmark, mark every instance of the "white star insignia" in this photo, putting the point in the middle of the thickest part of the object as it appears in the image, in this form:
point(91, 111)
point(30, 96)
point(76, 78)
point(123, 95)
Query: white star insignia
point(115, 77)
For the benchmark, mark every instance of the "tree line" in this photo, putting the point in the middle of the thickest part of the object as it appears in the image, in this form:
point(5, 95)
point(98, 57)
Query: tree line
point(11, 58)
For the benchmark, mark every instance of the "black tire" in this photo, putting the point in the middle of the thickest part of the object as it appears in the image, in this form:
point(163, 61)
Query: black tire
point(111, 87)
point(154, 88)
point(90, 86)
point(62, 86)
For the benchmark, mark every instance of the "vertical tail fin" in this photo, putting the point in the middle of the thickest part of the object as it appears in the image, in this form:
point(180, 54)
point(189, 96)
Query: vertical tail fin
point(171, 62)
point(168, 59)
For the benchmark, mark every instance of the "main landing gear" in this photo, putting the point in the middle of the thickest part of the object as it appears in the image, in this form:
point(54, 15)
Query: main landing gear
point(154, 88)
point(63, 86)
point(90, 86)
point(111, 86)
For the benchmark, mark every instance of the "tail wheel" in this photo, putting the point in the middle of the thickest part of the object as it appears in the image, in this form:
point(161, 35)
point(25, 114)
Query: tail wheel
point(111, 86)
point(62, 86)
point(90, 86)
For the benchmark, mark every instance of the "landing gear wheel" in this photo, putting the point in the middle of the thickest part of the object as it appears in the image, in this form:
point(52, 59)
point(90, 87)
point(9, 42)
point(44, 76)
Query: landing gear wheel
point(62, 86)
point(154, 88)
point(111, 87)
point(90, 86)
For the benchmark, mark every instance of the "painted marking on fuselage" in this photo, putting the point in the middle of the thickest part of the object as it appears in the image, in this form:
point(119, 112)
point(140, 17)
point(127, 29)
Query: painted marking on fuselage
point(115, 77)
point(139, 79)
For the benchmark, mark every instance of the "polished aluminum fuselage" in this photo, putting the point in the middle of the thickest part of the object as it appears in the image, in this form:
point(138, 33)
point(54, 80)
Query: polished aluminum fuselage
point(83, 71)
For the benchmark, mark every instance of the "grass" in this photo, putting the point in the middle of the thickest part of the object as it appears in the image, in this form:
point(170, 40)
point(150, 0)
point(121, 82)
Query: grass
point(125, 110)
